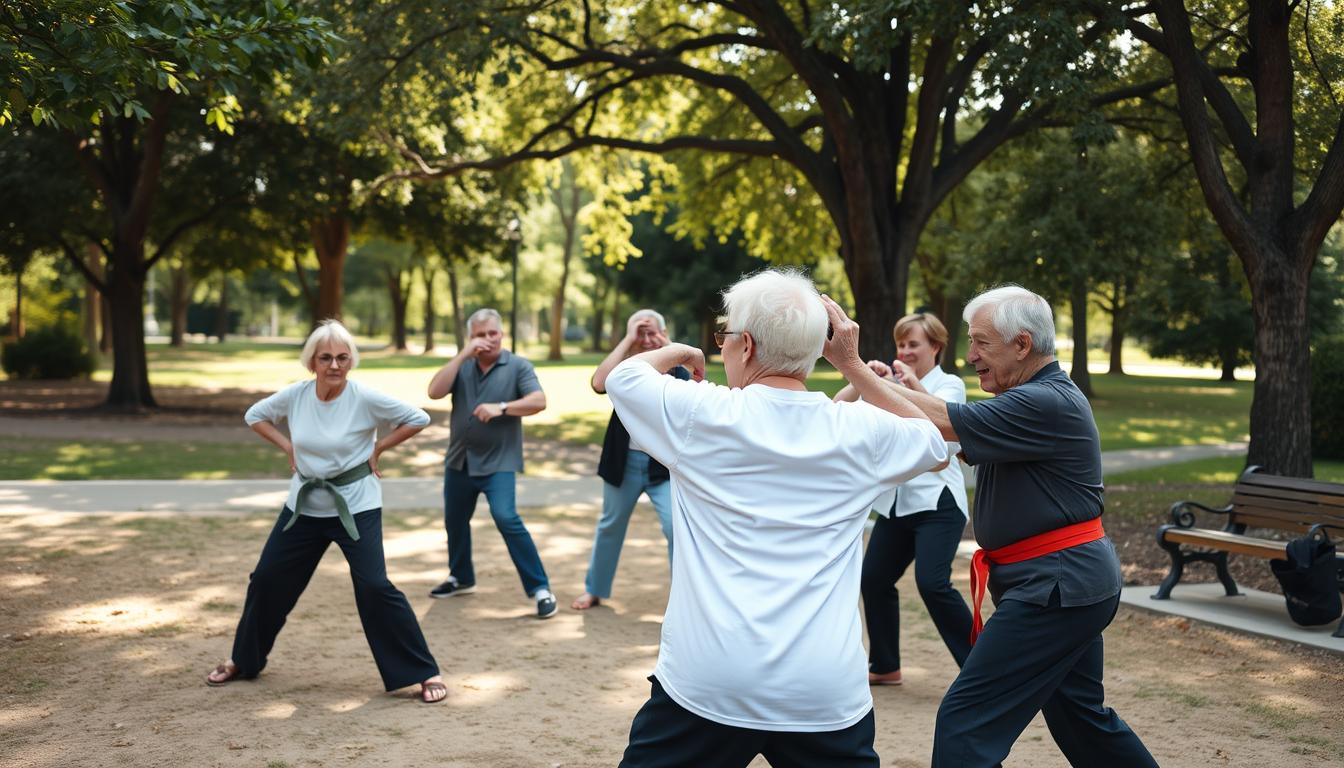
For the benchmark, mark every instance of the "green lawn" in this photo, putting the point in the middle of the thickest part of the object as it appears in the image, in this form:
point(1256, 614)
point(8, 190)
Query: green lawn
point(1222, 470)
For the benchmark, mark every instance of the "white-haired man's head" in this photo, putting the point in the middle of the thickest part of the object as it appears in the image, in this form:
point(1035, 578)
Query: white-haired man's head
point(1012, 334)
point(782, 312)
point(649, 338)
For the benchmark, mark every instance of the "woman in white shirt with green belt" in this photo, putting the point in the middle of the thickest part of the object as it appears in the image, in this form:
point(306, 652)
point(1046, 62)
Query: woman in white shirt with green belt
point(925, 523)
point(334, 496)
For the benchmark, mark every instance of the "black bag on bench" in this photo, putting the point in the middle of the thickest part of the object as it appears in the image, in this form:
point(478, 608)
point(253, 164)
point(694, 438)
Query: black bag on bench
point(1309, 581)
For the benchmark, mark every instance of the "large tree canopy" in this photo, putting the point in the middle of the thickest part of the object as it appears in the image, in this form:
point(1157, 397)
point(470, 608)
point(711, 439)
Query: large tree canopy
point(109, 77)
point(840, 126)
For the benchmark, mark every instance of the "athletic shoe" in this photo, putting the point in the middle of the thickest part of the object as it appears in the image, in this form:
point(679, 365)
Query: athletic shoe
point(547, 607)
point(450, 588)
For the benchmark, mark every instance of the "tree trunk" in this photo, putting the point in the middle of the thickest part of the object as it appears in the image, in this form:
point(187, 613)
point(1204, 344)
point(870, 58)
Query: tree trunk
point(1078, 308)
point(331, 239)
point(569, 219)
point(1281, 403)
point(129, 390)
point(877, 280)
point(397, 292)
point(459, 329)
point(1117, 367)
point(178, 300)
point(93, 310)
point(428, 276)
point(222, 310)
point(18, 304)
point(1229, 367)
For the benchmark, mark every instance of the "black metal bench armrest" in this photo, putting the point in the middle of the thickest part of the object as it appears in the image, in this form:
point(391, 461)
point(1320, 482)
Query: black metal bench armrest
point(1183, 516)
point(1322, 529)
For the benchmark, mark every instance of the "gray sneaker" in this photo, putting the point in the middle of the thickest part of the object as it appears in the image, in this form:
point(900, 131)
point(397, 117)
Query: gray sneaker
point(547, 607)
point(450, 588)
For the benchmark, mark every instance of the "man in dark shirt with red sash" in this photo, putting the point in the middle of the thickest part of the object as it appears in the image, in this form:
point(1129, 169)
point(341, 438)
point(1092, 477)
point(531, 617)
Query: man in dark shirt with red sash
point(1053, 575)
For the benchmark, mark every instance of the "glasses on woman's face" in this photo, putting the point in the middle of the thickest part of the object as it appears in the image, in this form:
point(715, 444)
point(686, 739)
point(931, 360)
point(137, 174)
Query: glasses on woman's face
point(721, 336)
point(325, 360)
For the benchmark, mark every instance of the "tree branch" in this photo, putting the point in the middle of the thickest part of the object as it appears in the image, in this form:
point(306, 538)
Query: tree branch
point(81, 265)
point(1323, 206)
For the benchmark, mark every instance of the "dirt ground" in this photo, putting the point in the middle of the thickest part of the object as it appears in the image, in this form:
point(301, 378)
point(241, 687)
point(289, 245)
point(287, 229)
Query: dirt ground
point(108, 624)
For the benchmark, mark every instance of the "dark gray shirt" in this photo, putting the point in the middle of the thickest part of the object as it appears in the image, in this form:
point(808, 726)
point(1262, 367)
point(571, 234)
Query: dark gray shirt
point(1038, 467)
point(497, 445)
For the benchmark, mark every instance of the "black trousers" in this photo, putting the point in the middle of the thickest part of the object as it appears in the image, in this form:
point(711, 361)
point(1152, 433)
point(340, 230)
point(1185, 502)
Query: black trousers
point(666, 735)
point(1034, 658)
point(287, 563)
point(930, 540)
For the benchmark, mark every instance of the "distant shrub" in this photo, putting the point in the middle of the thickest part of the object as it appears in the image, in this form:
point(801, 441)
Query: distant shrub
point(1327, 398)
point(47, 353)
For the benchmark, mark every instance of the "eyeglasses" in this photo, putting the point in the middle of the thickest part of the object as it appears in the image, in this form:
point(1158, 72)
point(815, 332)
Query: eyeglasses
point(342, 360)
point(722, 336)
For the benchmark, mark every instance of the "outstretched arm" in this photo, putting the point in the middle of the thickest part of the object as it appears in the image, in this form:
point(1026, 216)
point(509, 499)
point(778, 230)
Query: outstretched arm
point(842, 351)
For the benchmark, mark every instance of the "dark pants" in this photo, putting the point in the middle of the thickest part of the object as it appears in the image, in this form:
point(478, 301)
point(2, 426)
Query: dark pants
point(1034, 658)
point(665, 735)
point(460, 492)
point(287, 563)
point(929, 539)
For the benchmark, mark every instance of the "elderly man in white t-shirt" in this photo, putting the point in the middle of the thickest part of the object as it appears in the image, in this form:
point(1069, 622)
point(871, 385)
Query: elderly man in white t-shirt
point(761, 648)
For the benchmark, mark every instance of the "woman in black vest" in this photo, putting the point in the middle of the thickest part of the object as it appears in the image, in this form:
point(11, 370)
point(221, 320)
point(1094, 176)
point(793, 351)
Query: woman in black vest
point(626, 471)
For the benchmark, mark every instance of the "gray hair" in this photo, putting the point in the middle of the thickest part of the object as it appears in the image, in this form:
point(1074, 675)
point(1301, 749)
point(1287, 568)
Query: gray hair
point(483, 314)
point(784, 314)
point(333, 332)
point(657, 318)
point(1017, 310)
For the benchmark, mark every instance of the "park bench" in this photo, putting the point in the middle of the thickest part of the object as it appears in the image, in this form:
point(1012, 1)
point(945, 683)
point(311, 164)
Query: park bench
point(1259, 501)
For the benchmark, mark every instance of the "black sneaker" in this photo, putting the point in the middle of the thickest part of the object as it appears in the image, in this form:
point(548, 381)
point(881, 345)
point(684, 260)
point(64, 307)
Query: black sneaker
point(547, 607)
point(452, 587)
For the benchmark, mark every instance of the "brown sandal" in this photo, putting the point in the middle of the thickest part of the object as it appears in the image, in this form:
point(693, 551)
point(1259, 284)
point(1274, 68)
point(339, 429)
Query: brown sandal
point(433, 693)
point(228, 671)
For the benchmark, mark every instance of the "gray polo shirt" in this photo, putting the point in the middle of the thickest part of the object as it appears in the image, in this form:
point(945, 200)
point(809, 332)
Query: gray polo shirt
point(495, 446)
point(1037, 460)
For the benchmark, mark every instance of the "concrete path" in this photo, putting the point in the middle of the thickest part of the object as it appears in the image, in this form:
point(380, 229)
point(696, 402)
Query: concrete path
point(26, 497)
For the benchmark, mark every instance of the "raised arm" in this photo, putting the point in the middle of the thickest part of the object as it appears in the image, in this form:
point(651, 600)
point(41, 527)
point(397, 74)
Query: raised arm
point(842, 351)
point(622, 350)
point(442, 384)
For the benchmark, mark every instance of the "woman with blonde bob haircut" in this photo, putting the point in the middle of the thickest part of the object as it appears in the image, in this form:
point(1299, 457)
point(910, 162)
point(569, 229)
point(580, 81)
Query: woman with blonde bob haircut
point(334, 496)
point(921, 522)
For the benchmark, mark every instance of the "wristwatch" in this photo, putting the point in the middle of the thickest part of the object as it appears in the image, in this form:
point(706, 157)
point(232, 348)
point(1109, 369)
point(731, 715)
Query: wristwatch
point(503, 408)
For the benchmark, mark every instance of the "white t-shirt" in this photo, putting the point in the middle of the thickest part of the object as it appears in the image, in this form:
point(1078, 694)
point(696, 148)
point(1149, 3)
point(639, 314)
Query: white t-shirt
point(332, 437)
point(921, 494)
point(770, 490)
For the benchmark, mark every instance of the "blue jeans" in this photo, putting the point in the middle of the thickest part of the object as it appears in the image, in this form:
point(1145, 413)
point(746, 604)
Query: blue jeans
point(460, 492)
point(617, 504)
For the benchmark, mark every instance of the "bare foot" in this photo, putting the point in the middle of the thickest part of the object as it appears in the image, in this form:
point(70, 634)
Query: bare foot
point(585, 601)
point(886, 678)
point(433, 690)
point(222, 674)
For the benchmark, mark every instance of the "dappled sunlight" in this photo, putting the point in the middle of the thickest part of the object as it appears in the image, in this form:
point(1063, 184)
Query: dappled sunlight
point(482, 689)
point(16, 715)
point(122, 615)
point(346, 705)
point(276, 710)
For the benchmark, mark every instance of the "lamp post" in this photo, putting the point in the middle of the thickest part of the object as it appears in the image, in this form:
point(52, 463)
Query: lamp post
point(514, 234)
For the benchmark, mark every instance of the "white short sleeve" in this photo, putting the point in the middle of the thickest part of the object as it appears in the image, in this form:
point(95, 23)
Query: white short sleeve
point(904, 448)
point(658, 411)
point(274, 408)
point(393, 412)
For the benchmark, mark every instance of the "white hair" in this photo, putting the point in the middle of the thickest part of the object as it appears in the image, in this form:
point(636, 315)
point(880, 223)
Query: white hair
point(1016, 310)
point(657, 318)
point(784, 314)
point(333, 332)
point(483, 314)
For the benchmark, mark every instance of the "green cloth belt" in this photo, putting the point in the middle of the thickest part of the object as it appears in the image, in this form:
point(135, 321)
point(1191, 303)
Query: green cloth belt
point(354, 474)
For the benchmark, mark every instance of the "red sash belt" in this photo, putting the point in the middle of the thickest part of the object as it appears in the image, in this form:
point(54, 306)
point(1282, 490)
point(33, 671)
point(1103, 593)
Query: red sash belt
point(1026, 549)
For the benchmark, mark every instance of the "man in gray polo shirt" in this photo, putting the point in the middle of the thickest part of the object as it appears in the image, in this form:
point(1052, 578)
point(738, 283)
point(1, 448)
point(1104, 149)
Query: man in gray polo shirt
point(1038, 476)
point(492, 390)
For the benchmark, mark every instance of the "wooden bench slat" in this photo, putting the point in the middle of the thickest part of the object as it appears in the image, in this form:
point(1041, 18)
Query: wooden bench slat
point(1231, 542)
point(1274, 523)
point(1288, 506)
point(1329, 501)
point(1279, 482)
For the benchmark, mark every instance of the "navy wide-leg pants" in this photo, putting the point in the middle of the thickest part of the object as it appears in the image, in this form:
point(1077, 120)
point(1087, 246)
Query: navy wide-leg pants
point(1036, 658)
point(287, 562)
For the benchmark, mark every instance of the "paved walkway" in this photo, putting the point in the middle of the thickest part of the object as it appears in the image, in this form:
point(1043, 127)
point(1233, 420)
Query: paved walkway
point(26, 497)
